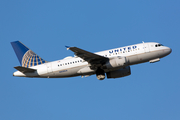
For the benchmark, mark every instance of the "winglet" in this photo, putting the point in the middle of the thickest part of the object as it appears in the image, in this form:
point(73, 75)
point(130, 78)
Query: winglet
point(67, 47)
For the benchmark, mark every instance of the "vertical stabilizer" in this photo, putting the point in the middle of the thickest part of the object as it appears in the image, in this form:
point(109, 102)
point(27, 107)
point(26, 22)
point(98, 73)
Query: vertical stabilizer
point(26, 57)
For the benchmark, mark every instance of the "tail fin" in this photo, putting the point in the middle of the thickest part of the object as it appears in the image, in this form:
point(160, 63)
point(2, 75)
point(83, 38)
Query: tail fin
point(26, 57)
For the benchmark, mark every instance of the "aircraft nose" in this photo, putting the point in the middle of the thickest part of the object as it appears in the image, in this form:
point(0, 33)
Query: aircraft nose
point(168, 51)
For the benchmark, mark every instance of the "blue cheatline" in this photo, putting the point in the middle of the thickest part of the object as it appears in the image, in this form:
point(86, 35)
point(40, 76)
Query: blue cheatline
point(26, 57)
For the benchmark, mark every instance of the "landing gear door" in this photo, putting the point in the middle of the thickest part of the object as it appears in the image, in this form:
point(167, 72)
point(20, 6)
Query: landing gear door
point(146, 47)
point(49, 67)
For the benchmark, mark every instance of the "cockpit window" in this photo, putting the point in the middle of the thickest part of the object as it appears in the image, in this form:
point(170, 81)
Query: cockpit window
point(158, 45)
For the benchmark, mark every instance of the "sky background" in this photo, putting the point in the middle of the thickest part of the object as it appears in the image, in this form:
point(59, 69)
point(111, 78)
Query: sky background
point(151, 92)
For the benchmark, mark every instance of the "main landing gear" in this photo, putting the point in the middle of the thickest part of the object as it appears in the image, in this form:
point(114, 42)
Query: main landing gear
point(100, 74)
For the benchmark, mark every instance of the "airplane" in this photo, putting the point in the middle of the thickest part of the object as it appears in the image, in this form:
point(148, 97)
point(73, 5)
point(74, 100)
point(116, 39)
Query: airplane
point(113, 63)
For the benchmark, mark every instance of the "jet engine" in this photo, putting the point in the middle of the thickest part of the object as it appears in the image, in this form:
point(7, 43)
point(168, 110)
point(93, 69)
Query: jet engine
point(119, 73)
point(115, 63)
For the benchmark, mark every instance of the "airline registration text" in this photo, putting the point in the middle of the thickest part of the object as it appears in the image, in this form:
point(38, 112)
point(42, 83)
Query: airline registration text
point(62, 71)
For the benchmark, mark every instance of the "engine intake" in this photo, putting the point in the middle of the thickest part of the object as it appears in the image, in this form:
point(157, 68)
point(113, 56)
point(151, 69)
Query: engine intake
point(119, 73)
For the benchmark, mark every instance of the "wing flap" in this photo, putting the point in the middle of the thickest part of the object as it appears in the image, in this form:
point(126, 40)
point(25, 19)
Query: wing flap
point(24, 69)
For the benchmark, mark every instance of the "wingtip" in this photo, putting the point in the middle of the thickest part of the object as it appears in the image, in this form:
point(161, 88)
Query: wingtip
point(67, 47)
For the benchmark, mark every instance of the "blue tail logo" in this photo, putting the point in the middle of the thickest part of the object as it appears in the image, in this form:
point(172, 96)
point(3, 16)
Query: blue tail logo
point(26, 57)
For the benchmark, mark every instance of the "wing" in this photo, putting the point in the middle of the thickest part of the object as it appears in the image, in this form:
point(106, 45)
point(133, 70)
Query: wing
point(92, 58)
point(24, 70)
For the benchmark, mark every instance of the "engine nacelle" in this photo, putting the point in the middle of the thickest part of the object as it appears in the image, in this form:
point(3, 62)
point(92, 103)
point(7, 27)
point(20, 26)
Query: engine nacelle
point(115, 63)
point(119, 73)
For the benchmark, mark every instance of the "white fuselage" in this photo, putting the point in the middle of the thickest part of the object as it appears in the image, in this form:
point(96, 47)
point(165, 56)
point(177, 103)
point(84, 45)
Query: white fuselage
point(75, 66)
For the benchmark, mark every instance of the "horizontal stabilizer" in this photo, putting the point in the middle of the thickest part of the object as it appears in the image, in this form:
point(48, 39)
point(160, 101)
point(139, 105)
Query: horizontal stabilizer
point(24, 69)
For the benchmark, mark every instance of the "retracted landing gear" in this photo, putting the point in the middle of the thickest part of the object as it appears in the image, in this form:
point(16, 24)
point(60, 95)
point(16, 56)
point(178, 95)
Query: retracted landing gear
point(100, 74)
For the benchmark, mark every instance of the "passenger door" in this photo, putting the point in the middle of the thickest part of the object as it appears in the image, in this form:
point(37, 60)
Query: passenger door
point(49, 67)
point(146, 47)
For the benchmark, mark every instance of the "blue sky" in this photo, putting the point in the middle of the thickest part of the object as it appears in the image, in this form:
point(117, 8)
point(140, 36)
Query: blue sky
point(152, 91)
